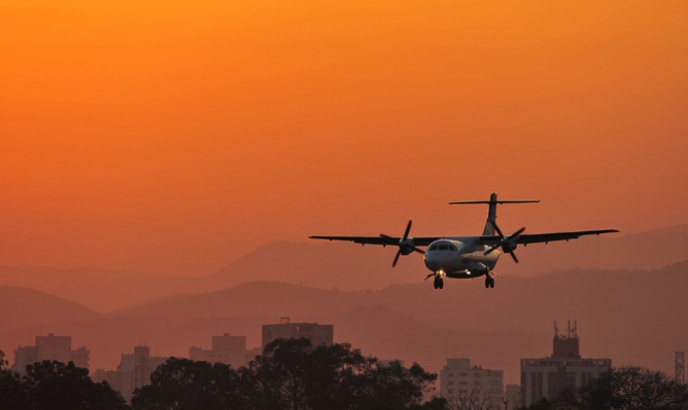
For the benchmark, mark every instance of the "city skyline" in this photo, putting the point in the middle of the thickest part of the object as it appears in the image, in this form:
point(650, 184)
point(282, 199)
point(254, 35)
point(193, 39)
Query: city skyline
point(381, 324)
point(162, 165)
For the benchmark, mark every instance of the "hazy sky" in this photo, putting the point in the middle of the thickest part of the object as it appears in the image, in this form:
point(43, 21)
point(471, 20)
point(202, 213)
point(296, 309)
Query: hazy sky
point(177, 136)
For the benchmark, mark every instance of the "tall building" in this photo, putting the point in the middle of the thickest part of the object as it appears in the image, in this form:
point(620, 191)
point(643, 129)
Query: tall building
point(545, 378)
point(50, 347)
point(466, 386)
point(133, 372)
point(225, 349)
point(317, 334)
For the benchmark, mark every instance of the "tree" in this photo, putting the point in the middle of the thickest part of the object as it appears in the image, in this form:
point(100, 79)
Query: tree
point(185, 384)
point(472, 398)
point(4, 364)
point(393, 386)
point(628, 388)
point(293, 374)
point(55, 386)
point(12, 394)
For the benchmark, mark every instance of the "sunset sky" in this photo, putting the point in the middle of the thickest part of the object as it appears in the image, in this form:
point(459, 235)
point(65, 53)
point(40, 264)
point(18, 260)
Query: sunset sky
point(174, 137)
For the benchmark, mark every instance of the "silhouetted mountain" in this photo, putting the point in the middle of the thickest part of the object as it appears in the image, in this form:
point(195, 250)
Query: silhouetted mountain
point(25, 307)
point(618, 310)
point(646, 250)
point(100, 289)
point(342, 266)
point(351, 267)
point(634, 317)
point(251, 299)
point(323, 265)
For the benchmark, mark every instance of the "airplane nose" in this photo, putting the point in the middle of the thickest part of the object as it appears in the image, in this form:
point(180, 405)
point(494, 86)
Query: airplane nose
point(431, 261)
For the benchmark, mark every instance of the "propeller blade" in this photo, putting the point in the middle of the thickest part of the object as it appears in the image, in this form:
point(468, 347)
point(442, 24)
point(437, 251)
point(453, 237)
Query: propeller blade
point(520, 231)
point(419, 250)
point(408, 229)
point(382, 235)
point(499, 231)
point(489, 251)
point(513, 255)
point(430, 275)
point(396, 258)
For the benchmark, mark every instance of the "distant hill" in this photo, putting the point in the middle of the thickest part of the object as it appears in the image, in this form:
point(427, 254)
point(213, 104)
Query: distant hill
point(348, 266)
point(644, 300)
point(100, 289)
point(25, 307)
point(343, 266)
point(622, 313)
point(251, 299)
point(634, 317)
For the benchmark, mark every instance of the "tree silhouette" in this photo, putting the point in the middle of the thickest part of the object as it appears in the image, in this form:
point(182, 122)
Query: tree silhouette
point(12, 394)
point(628, 388)
point(471, 398)
point(51, 385)
point(291, 375)
point(3, 363)
point(184, 384)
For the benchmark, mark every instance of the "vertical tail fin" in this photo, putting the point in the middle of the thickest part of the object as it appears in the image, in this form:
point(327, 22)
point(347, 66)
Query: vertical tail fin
point(492, 210)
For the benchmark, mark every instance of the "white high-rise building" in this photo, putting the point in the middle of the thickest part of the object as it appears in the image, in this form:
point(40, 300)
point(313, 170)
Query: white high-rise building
point(466, 386)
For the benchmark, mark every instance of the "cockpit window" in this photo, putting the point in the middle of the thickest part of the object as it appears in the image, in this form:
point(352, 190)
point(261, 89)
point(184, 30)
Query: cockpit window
point(443, 247)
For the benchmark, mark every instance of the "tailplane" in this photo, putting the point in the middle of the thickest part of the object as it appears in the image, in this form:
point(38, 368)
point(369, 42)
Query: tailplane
point(492, 211)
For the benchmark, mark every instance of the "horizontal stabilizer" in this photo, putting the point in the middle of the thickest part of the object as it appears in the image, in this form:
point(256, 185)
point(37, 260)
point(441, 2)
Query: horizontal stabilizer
point(513, 201)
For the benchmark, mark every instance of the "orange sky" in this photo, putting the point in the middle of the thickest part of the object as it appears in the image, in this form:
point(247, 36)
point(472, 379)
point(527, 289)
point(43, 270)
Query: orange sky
point(177, 136)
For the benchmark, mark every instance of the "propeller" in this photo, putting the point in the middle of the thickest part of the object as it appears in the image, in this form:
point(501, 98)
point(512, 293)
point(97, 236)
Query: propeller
point(507, 243)
point(406, 244)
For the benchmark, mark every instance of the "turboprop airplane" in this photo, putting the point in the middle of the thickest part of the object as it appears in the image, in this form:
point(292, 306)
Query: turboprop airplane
point(465, 257)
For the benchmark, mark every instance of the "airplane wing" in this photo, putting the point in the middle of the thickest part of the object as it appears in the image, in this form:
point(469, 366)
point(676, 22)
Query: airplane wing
point(379, 240)
point(543, 237)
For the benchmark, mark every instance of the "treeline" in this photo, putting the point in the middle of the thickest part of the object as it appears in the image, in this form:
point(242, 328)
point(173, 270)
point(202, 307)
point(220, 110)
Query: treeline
point(291, 374)
point(623, 388)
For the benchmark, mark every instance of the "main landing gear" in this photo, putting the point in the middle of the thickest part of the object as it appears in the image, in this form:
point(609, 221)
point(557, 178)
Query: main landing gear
point(489, 281)
point(439, 282)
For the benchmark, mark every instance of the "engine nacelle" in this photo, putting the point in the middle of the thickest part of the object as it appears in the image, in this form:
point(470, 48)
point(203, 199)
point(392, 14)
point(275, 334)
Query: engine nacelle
point(478, 269)
point(510, 245)
point(406, 246)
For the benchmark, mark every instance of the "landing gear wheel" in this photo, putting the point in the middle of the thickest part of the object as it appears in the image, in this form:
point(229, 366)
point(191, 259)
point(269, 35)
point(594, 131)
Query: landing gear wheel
point(491, 282)
point(487, 282)
point(441, 284)
point(436, 283)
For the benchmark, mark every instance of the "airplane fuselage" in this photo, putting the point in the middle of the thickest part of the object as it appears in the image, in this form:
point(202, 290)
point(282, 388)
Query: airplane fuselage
point(459, 257)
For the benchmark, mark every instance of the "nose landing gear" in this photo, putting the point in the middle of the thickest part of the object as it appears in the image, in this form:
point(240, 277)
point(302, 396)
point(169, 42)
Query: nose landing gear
point(439, 282)
point(489, 281)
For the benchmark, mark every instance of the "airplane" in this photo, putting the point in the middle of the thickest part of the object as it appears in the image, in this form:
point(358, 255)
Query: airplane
point(465, 257)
